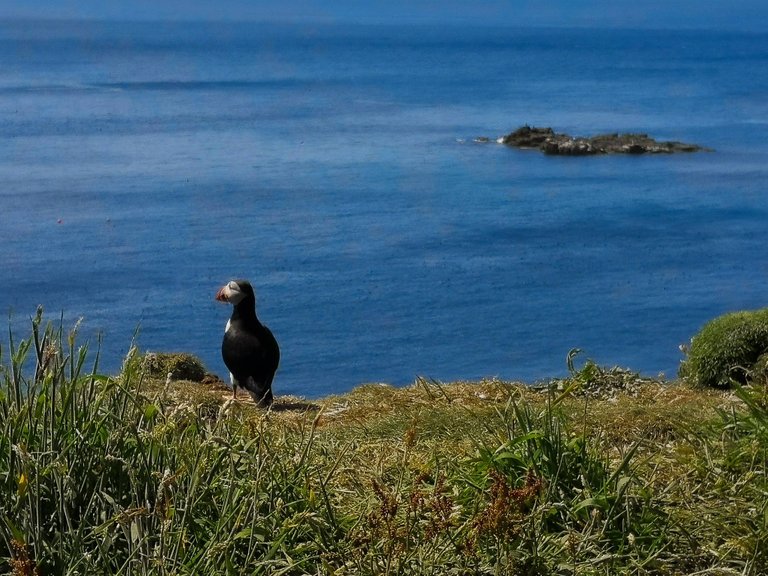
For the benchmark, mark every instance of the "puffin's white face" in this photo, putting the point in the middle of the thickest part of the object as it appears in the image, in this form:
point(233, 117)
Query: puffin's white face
point(230, 293)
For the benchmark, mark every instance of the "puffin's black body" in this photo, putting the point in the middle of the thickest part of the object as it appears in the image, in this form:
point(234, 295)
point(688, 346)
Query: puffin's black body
point(249, 349)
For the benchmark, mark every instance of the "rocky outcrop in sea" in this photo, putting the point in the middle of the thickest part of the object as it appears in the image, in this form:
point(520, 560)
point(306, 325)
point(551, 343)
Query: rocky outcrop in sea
point(551, 142)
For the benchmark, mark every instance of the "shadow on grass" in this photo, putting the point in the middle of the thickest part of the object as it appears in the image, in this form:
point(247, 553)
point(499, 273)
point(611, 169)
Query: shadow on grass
point(294, 405)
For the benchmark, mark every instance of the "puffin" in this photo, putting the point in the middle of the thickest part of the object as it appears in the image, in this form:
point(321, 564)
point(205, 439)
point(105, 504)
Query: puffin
point(249, 349)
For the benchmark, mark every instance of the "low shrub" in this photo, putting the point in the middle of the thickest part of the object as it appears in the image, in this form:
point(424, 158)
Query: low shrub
point(726, 350)
point(180, 366)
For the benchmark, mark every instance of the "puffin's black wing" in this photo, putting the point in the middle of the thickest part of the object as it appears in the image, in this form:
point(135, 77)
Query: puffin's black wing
point(252, 356)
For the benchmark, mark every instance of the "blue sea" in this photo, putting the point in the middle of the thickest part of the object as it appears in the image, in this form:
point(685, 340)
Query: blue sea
point(143, 165)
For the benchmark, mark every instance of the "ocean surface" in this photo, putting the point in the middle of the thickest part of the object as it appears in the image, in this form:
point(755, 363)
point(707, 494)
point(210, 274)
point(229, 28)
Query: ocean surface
point(143, 165)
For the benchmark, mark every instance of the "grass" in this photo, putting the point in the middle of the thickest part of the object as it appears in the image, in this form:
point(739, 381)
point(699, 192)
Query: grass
point(603, 472)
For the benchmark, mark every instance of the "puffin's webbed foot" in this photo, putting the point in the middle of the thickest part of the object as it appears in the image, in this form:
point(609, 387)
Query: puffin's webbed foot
point(264, 399)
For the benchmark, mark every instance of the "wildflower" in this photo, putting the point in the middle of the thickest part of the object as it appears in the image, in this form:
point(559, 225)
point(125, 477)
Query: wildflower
point(23, 483)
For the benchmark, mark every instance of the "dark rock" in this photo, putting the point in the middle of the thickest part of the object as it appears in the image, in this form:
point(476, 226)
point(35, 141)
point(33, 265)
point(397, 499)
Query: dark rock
point(550, 142)
point(527, 137)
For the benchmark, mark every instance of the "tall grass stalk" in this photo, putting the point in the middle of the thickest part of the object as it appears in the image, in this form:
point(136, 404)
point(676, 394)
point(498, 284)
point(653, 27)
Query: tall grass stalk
point(100, 478)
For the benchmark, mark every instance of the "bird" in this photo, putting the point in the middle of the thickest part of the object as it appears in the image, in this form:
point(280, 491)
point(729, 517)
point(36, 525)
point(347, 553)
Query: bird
point(249, 349)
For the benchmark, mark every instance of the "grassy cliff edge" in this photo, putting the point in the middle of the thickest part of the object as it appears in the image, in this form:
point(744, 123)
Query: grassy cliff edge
point(603, 472)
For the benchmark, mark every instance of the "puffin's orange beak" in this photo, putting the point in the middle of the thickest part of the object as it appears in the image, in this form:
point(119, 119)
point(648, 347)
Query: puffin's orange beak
point(221, 296)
